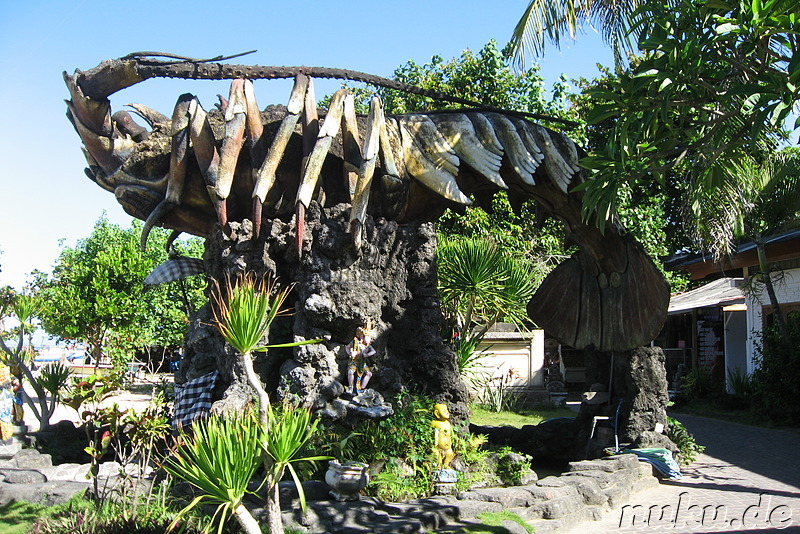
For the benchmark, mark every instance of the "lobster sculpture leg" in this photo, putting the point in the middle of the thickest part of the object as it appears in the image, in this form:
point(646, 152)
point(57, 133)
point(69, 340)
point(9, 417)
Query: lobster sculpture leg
point(202, 168)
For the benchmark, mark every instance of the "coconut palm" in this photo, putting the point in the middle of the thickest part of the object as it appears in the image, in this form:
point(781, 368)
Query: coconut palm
point(756, 202)
point(553, 20)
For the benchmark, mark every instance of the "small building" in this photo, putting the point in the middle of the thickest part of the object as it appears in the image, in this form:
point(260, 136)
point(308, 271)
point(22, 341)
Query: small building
point(721, 321)
point(517, 354)
point(707, 326)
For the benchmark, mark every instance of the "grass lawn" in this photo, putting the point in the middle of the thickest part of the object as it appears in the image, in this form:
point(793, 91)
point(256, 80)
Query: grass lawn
point(17, 517)
point(519, 418)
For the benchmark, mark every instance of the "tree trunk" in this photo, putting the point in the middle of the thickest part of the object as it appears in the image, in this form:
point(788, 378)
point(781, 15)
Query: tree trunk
point(246, 520)
point(261, 393)
point(274, 520)
point(766, 279)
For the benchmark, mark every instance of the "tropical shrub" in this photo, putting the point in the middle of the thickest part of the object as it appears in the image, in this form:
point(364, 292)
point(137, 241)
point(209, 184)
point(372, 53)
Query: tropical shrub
point(688, 447)
point(219, 458)
point(774, 381)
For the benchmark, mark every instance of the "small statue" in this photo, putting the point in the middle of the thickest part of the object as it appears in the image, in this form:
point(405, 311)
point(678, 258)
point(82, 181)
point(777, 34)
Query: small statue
point(6, 403)
point(443, 435)
point(18, 409)
point(360, 350)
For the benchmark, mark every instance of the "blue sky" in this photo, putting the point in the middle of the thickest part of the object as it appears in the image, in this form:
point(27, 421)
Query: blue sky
point(47, 198)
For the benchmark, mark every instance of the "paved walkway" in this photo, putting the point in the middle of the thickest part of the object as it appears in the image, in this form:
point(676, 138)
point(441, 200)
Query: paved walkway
point(747, 480)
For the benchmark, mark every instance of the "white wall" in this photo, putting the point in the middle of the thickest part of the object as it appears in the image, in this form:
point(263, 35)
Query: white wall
point(787, 290)
point(525, 354)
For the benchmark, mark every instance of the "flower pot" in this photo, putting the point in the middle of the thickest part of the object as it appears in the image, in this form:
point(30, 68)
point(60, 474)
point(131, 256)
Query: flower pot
point(347, 480)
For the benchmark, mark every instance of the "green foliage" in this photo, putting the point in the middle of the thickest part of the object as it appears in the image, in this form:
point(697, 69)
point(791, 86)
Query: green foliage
point(54, 379)
point(479, 284)
point(775, 385)
point(557, 19)
point(741, 384)
point(491, 521)
point(714, 85)
point(245, 309)
point(288, 435)
point(219, 458)
point(80, 516)
point(689, 449)
point(402, 481)
point(495, 390)
point(468, 357)
point(510, 470)
point(484, 77)
point(17, 516)
point(402, 443)
point(406, 434)
point(700, 384)
point(518, 418)
point(96, 294)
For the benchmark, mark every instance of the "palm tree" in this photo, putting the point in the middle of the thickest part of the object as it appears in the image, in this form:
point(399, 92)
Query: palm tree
point(555, 19)
point(758, 201)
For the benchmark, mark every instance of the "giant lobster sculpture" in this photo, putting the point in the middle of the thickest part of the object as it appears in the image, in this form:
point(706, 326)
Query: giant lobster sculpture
point(200, 168)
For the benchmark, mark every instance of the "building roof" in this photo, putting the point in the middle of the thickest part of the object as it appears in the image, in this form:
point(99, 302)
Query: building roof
point(722, 292)
point(780, 247)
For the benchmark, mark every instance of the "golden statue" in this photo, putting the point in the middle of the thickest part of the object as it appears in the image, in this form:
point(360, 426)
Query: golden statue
point(443, 435)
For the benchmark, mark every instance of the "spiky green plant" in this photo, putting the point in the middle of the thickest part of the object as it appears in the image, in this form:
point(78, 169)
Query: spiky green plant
point(54, 378)
point(24, 308)
point(481, 285)
point(289, 434)
point(220, 458)
point(244, 309)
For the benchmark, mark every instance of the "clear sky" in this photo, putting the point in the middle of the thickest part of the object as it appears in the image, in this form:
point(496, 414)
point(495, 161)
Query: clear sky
point(45, 195)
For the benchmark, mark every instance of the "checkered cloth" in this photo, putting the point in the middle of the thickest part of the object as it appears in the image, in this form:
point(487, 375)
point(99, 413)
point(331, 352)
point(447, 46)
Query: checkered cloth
point(175, 269)
point(193, 399)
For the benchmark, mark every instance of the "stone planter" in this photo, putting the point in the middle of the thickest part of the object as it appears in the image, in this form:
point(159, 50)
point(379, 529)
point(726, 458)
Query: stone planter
point(347, 480)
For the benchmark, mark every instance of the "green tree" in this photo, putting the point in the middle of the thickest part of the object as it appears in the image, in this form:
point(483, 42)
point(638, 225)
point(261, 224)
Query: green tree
point(483, 77)
point(762, 201)
point(714, 85)
point(96, 294)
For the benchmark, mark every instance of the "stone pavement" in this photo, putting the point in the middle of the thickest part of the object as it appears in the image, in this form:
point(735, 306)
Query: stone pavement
point(747, 480)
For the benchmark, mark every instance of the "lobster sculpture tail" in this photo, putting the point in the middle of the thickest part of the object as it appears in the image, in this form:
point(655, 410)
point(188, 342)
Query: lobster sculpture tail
point(200, 168)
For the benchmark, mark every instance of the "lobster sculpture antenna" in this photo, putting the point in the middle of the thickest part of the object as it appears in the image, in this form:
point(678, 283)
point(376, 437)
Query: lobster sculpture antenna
point(200, 168)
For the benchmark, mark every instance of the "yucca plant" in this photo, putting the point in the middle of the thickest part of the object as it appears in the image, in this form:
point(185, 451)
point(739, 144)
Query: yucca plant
point(243, 312)
point(220, 458)
point(481, 285)
point(24, 308)
point(244, 309)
